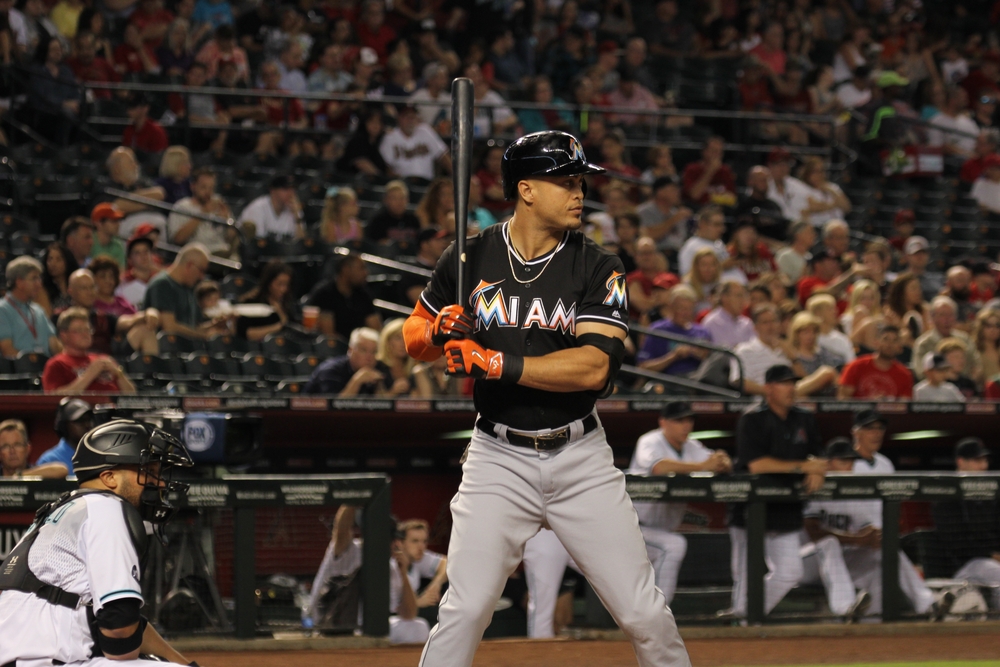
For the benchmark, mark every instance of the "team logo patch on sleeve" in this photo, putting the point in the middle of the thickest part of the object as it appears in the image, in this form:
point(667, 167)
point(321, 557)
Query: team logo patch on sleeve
point(617, 292)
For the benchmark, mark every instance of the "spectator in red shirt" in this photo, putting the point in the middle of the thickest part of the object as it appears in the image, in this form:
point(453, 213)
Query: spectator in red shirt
point(90, 67)
point(771, 50)
point(134, 56)
point(143, 133)
point(74, 370)
point(878, 375)
point(985, 79)
point(986, 145)
point(490, 178)
point(749, 254)
point(755, 93)
point(827, 278)
point(710, 180)
point(275, 107)
point(651, 272)
point(152, 21)
point(372, 30)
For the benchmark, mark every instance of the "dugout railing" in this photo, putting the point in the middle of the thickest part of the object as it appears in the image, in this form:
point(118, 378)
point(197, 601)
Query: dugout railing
point(244, 495)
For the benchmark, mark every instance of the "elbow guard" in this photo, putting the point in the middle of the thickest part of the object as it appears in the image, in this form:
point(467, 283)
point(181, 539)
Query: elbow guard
point(117, 614)
point(611, 346)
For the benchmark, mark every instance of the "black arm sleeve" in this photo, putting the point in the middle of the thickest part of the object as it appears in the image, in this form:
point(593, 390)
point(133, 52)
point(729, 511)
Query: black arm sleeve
point(119, 613)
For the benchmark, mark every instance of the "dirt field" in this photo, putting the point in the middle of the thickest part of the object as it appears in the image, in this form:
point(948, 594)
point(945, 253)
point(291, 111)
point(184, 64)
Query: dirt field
point(705, 652)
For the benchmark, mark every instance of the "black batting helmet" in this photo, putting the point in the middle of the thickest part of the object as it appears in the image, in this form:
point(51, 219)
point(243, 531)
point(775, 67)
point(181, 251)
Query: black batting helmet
point(548, 153)
point(126, 442)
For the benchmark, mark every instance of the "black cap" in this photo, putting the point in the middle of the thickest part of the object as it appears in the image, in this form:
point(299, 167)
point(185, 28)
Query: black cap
point(820, 255)
point(780, 373)
point(280, 182)
point(75, 409)
point(676, 410)
point(970, 448)
point(664, 181)
point(868, 417)
point(428, 233)
point(841, 448)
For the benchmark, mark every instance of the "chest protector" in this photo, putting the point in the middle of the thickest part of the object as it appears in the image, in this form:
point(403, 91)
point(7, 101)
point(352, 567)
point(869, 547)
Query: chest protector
point(15, 575)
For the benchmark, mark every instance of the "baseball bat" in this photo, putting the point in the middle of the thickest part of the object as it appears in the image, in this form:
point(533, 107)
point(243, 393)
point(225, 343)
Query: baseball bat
point(461, 160)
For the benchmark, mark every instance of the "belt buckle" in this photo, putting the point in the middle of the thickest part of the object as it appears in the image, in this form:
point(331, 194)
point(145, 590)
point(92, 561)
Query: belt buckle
point(543, 443)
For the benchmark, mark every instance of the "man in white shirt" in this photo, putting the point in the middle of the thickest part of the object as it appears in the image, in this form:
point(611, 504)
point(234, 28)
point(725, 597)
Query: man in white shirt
point(847, 536)
point(435, 90)
point(856, 92)
point(707, 234)
point(785, 190)
point(413, 148)
point(824, 307)
point(667, 450)
point(727, 323)
point(958, 132)
point(181, 229)
point(766, 349)
point(793, 259)
point(278, 213)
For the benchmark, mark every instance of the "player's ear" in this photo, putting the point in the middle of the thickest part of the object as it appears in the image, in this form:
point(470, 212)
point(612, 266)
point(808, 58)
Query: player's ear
point(526, 191)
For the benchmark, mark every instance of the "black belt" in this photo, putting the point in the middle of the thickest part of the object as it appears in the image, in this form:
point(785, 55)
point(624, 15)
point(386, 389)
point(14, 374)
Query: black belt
point(541, 443)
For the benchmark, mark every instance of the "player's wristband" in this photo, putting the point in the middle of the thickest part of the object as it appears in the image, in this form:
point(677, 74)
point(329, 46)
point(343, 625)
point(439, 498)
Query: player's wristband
point(513, 368)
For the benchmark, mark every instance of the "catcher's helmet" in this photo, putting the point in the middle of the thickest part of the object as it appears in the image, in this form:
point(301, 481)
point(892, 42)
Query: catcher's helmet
point(548, 153)
point(126, 442)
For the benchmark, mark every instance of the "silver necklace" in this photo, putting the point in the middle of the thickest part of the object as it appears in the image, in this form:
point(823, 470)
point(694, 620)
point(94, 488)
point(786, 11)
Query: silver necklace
point(510, 259)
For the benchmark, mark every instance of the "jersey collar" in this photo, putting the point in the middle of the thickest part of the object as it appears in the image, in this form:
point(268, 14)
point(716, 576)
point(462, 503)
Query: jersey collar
point(537, 260)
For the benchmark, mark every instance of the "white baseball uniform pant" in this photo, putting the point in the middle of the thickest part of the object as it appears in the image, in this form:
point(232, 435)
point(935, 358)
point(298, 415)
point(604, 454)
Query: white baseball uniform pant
point(507, 493)
point(414, 631)
point(545, 561)
point(784, 565)
point(666, 551)
point(844, 568)
point(983, 572)
point(823, 562)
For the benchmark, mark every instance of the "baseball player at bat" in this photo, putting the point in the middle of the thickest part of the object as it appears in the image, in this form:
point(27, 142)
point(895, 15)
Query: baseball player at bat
point(541, 333)
point(70, 590)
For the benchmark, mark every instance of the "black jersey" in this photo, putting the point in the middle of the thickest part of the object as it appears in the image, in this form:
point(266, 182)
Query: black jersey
point(576, 282)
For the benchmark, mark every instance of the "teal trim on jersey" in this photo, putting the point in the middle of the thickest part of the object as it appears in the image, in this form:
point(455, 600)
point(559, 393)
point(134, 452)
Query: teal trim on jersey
point(124, 590)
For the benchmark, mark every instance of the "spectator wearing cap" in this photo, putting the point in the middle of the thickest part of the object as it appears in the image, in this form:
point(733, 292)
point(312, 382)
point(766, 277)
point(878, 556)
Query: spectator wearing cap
point(278, 213)
point(77, 235)
point(710, 226)
point(412, 149)
point(435, 97)
point(631, 94)
point(726, 322)
point(879, 375)
point(664, 218)
point(24, 326)
point(857, 91)
point(756, 208)
point(954, 131)
point(916, 251)
point(126, 174)
point(793, 259)
point(142, 266)
point(670, 450)
point(966, 540)
point(667, 356)
point(344, 302)
point(76, 370)
point(710, 180)
point(431, 242)
point(986, 188)
point(107, 219)
point(826, 277)
point(944, 318)
point(183, 229)
point(74, 417)
point(143, 133)
point(935, 388)
point(651, 269)
point(788, 192)
point(775, 437)
point(986, 145)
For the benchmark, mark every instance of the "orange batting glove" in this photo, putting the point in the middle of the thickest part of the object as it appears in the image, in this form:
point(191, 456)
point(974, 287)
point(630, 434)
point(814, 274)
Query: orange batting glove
point(469, 358)
point(451, 323)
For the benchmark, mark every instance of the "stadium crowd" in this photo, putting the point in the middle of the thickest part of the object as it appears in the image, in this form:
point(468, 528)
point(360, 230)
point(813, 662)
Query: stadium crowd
point(326, 124)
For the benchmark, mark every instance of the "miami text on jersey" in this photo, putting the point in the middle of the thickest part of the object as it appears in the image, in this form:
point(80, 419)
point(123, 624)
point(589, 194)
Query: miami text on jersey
point(490, 307)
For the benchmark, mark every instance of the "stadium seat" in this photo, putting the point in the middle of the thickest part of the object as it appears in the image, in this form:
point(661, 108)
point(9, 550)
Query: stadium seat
point(30, 362)
point(325, 347)
point(229, 346)
point(291, 386)
point(235, 285)
point(277, 346)
point(174, 344)
point(256, 365)
point(56, 198)
point(244, 386)
point(305, 364)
